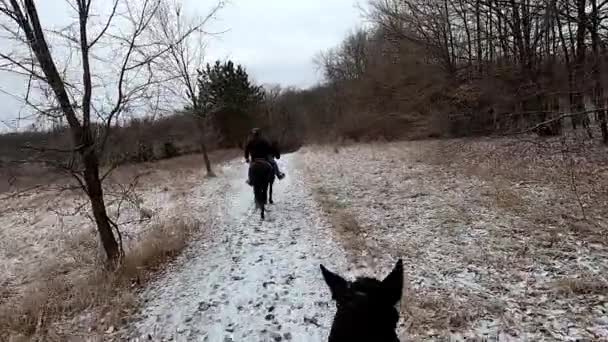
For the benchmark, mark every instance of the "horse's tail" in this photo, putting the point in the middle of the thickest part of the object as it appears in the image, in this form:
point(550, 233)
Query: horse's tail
point(260, 172)
point(258, 192)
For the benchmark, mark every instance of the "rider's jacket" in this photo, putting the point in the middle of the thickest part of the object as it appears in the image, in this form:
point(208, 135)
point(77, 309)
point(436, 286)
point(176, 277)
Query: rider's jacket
point(258, 147)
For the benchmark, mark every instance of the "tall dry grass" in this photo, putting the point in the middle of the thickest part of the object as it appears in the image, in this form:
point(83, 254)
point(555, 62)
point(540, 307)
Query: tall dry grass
point(81, 300)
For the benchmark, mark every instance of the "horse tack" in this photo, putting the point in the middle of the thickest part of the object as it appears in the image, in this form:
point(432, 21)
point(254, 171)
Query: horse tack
point(262, 160)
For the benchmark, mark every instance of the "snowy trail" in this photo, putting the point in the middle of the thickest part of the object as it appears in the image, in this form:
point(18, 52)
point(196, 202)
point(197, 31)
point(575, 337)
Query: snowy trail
point(251, 280)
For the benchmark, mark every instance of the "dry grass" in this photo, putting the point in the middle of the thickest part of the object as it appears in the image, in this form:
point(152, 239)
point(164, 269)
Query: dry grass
point(13, 177)
point(568, 170)
point(343, 223)
point(20, 177)
point(504, 196)
point(348, 231)
point(586, 285)
point(492, 238)
point(437, 311)
point(80, 300)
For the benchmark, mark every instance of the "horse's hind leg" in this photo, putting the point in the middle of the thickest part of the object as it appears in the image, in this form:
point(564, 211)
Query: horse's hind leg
point(255, 199)
point(270, 193)
point(260, 199)
point(264, 200)
point(265, 194)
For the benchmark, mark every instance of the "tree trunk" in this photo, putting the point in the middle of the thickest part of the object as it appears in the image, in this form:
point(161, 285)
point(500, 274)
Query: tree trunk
point(579, 67)
point(81, 134)
point(448, 40)
point(95, 193)
point(200, 120)
point(501, 37)
point(518, 35)
point(452, 55)
point(491, 37)
point(526, 25)
point(478, 37)
point(206, 158)
point(569, 67)
point(598, 89)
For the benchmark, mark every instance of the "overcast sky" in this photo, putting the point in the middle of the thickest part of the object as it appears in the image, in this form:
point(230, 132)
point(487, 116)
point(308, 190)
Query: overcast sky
point(275, 40)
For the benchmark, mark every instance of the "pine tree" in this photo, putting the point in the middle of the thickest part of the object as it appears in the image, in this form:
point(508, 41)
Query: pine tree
point(228, 96)
point(225, 86)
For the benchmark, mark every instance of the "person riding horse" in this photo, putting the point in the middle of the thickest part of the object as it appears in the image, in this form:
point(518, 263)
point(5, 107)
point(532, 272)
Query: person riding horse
point(259, 148)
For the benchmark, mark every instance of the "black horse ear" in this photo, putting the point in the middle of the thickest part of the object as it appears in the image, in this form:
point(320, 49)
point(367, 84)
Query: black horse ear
point(393, 283)
point(337, 285)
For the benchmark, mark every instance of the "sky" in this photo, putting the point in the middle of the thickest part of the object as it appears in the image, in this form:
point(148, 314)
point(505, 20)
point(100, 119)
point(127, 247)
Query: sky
point(276, 40)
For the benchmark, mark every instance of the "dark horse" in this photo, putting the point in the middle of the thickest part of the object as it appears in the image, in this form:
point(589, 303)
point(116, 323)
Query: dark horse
point(277, 155)
point(366, 307)
point(262, 175)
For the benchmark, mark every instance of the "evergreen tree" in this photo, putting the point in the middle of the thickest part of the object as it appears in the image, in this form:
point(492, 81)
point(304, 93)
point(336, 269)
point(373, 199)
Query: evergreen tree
point(228, 96)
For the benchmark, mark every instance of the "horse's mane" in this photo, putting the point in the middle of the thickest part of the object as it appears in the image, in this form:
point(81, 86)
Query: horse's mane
point(366, 284)
point(373, 287)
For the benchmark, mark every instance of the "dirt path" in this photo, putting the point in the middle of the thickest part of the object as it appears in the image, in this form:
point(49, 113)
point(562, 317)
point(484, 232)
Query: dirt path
point(250, 280)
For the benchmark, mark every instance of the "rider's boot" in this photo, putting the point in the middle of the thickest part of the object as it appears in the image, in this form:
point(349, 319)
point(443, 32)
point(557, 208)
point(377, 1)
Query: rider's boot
point(280, 175)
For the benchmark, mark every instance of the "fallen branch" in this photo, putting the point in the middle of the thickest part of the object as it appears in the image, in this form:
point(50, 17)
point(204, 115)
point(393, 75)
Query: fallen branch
point(555, 119)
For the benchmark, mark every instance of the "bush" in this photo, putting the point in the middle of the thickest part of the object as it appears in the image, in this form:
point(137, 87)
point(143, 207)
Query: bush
point(145, 153)
point(65, 290)
point(169, 150)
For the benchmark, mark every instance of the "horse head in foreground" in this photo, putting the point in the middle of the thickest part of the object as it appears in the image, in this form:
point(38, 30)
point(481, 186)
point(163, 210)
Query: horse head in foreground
point(366, 308)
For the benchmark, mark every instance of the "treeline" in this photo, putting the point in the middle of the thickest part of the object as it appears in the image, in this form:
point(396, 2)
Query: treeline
point(419, 69)
point(464, 67)
point(226, 106)
point(138, 140)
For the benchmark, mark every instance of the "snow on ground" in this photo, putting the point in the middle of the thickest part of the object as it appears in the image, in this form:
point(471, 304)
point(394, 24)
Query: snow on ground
point(252, 280)
point(474, 268)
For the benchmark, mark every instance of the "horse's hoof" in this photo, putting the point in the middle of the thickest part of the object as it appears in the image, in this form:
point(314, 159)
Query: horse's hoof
point(271, 202)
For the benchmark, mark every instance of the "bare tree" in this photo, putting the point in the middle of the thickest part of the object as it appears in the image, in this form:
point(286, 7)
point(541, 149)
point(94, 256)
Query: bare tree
point(185, 58)
point(121, 43)
point(532, 39)
point(598, 88)
point(348, 61)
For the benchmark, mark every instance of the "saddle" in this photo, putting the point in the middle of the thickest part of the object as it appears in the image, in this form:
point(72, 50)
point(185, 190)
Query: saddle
point(261, 160)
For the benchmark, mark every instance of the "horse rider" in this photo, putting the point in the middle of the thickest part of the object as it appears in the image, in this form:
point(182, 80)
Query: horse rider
point(259, 148)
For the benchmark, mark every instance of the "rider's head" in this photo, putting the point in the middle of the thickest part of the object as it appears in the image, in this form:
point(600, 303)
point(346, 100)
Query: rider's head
point(255, 132)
